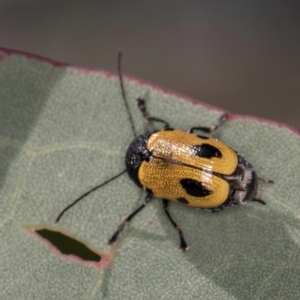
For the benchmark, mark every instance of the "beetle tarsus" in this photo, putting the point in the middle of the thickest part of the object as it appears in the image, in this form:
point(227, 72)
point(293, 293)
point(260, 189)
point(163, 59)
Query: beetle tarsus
point(213, 128)
point(183, 244)
point(115, 236)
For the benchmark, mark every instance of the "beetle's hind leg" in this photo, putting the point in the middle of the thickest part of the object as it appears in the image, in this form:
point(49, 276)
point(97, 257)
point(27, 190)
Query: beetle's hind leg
point(147, 117)
point(183, 245)
point(115, 236)
point(213, 128)
point(264, 181)
point(259, 201)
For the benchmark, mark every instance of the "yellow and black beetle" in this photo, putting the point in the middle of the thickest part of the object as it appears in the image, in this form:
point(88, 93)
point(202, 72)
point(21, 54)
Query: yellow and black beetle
point(184, 167)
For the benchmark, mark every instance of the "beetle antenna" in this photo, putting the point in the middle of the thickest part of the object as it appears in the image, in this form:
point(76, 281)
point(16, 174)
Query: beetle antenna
point(87, 193)
point(124, 94)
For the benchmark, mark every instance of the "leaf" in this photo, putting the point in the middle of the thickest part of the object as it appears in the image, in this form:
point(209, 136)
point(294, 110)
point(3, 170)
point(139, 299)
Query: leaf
point(64, 130)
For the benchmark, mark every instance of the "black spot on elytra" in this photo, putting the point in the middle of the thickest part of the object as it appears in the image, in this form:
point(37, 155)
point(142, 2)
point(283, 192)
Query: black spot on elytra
point(206, 151)
point(168, 129)
point(203, 137)
point(194, 187)
point(182, 200)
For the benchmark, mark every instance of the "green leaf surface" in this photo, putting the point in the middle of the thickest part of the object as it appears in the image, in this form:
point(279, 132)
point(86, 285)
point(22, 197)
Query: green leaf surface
point(64, 130)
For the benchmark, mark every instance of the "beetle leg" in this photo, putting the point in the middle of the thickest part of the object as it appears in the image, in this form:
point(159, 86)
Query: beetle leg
point(115, 236)
point(211, 129)
point(218, 209)
point(265, 181)
point(147, 117)
point(260, 201)
point(183, 245)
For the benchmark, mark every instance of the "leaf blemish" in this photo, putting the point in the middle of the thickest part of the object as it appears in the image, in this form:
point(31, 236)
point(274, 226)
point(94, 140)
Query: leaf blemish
point(68, 246)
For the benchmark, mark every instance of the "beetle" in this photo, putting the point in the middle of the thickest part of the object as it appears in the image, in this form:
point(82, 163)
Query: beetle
point(191, 169)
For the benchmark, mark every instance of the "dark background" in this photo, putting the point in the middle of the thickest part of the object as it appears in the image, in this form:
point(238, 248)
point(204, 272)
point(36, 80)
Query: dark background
point(242, 56)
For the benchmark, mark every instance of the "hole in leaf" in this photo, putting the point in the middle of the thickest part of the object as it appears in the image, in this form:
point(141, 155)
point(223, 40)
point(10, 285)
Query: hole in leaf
point(68, 245)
